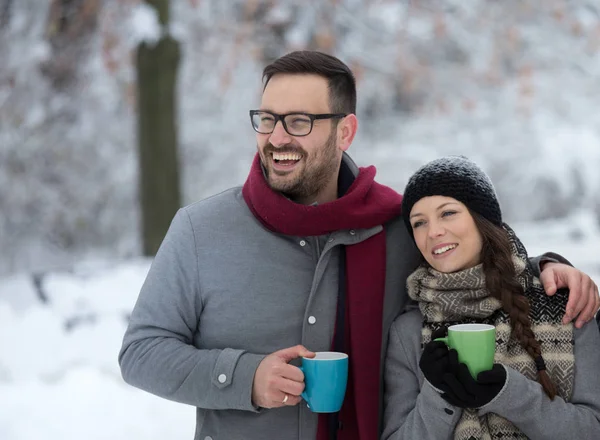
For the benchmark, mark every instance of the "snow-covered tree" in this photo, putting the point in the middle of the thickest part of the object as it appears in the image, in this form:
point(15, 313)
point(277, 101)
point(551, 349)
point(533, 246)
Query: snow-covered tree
point(157, 65)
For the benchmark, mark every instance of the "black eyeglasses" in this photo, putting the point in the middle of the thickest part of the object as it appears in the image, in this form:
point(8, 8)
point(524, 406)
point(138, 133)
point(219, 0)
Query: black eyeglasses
point(295, 124)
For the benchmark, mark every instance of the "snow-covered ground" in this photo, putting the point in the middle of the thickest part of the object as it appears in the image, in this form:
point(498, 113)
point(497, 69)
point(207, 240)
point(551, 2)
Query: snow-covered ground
point(59, 377)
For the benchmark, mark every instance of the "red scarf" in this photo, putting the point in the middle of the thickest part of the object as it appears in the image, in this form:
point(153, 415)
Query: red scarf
point(366, 204)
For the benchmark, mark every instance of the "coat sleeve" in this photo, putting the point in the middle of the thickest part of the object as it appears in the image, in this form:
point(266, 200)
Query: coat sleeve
point(524, 403)
point(158, 354)
point(548, 257)
point(413, 409)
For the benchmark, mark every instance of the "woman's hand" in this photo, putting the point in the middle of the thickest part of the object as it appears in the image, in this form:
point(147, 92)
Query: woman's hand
point(465, 392)
point(435, 360)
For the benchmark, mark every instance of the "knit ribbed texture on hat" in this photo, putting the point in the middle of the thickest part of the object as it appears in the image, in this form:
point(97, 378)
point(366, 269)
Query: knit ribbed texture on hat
point(456, 177)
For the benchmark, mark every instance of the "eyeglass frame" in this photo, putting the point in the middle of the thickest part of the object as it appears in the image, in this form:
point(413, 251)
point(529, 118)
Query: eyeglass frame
point(281, 117)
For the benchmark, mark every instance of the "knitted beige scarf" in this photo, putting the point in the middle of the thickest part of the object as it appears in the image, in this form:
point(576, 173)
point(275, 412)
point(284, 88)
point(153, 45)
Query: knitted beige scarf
point(461, 297)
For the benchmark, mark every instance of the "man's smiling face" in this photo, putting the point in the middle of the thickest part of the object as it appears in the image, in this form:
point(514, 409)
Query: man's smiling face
point(302, 167)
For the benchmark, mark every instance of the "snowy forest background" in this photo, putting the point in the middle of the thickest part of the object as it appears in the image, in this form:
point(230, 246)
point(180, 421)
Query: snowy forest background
point(514, 85)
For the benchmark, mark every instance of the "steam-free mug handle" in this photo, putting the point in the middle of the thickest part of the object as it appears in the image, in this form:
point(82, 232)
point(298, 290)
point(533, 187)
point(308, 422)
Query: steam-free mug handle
point(444, 340)
point(303, 395)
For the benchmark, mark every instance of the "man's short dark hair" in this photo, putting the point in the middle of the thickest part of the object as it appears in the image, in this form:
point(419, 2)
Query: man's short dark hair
point(342, 85)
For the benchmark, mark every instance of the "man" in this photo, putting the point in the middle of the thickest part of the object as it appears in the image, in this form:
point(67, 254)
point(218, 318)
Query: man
point(310, 254)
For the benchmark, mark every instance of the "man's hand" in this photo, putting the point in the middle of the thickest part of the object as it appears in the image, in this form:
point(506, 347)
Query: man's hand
point(276, 383)
point(583, 293)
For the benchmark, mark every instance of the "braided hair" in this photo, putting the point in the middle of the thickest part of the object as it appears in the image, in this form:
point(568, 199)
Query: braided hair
point(501, 282)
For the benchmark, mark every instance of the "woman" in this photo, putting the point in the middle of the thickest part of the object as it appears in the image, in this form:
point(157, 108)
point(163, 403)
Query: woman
point(545, 383)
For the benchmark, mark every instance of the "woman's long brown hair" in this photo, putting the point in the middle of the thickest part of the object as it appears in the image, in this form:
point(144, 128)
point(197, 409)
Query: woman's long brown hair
point(501, 282)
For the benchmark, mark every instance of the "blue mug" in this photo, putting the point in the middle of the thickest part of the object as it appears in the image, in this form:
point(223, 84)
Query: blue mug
point(325, 378)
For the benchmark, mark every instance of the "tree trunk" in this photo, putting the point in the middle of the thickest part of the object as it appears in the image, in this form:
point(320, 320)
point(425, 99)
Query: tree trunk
point(157, 67)
point(5, 12)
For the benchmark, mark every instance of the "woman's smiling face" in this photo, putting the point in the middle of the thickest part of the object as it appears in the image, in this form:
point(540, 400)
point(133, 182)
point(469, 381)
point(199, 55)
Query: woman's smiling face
point(446, 234)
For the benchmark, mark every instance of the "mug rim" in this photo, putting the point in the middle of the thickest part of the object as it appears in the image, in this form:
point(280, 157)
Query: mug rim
point(472, 327)
point(335, 356)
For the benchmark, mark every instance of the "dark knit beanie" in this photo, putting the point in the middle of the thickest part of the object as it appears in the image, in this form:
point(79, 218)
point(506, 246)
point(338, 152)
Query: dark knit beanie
point(456, 177)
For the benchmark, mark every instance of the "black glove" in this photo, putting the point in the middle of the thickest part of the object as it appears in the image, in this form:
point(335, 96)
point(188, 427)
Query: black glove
point(434, 362)
point(465, 392)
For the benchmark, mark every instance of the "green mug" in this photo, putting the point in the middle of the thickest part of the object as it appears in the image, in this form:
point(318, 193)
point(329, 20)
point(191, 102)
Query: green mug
point(475, 345)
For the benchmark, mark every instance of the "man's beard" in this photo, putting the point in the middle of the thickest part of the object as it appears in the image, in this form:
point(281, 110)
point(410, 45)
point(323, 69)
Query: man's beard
point(318, 170)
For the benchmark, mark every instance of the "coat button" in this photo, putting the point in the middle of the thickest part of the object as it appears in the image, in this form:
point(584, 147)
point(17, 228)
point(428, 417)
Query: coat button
point(448, 411)
point(330, 240)
point(222, 378)
point(352, 232)
point(312, 319)
point(208, 437)
point(302, 243)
